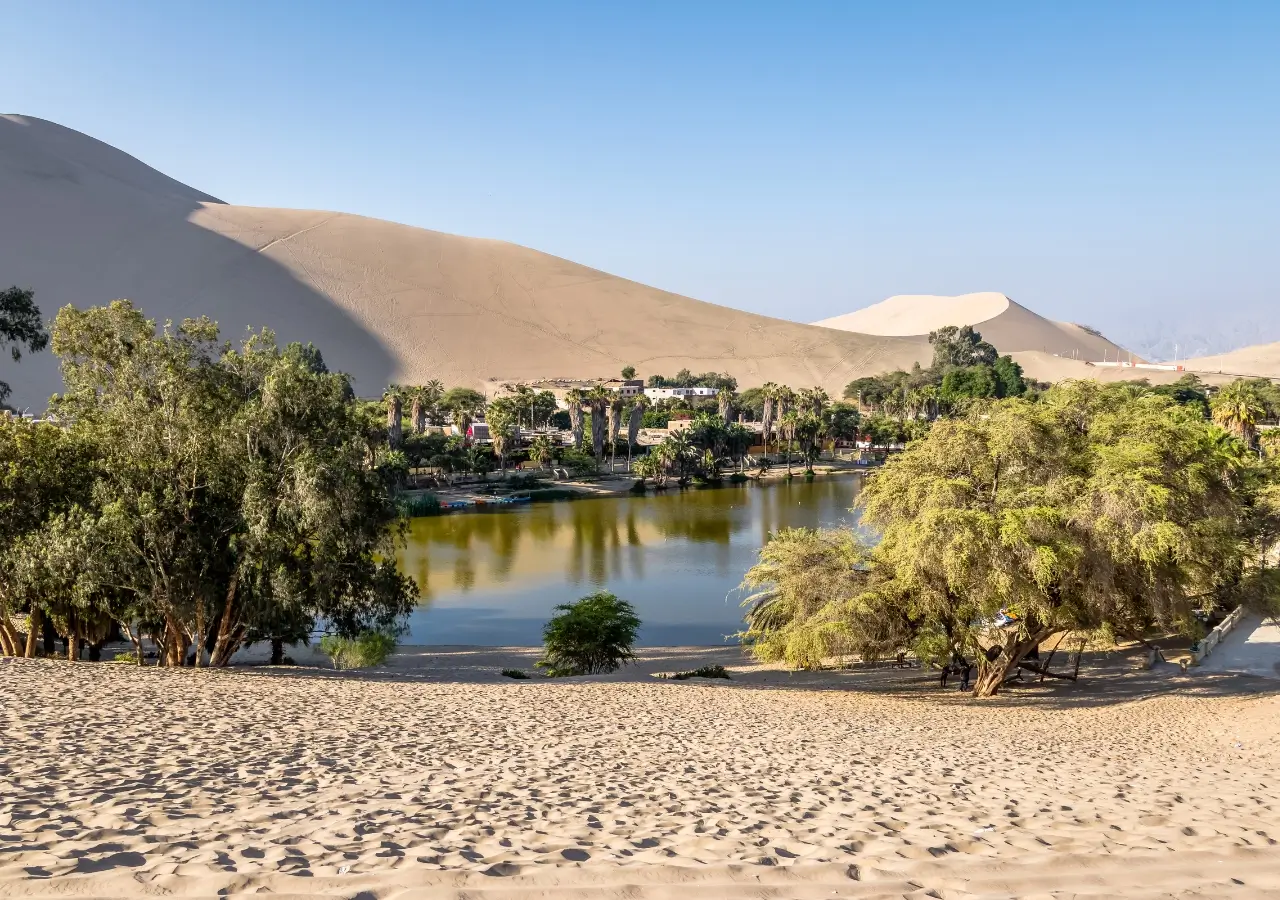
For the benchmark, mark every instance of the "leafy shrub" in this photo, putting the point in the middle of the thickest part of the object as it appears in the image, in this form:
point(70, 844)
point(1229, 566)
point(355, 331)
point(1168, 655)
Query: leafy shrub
point(655, 418)
point(590, 636)
point(370, 648)
point(421, 505)
point(129, 657)
point(701, 672)
point(579, 462)
point(514, 673)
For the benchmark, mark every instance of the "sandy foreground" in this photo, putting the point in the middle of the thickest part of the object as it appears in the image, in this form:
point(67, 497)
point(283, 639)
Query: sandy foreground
point(440, 778)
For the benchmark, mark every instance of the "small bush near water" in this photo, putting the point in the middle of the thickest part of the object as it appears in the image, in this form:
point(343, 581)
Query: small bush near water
point(591, 636)
point(369, 649)
point(700, 672)
point(514, 673)
point(421, 505)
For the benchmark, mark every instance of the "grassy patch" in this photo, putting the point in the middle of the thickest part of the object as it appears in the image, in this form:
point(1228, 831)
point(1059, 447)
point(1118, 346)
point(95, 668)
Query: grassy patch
point(368, 649)
point(514, 673)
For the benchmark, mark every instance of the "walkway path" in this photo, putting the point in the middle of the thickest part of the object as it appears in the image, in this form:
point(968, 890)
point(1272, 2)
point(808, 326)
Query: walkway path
point(1252, 648)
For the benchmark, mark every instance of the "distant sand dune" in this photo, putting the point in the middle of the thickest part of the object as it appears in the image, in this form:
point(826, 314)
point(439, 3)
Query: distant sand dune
point(1262, 360)
point(1012, 328)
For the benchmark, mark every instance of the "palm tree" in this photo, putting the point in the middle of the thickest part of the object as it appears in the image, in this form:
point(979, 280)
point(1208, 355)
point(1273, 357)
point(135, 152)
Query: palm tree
point(1238, 407)
point(541, 449)
point(615, 424)
point(575, 398)
point(810, 429)
point(815, 400)
point(417, 411)
point(784, 399)
point(598, 398)
point(464, 405)
point(634, 422)
point(394, 397)
point(738, 438)
point(524, 399)
point(431, 393)
point(790, 419)
point(672, 454)
point(927, 396)
point(770, 394)
point(725, 401)
point(503, 417)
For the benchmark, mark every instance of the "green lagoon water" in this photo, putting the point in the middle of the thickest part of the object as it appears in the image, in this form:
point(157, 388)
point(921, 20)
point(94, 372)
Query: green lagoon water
point(492, 578)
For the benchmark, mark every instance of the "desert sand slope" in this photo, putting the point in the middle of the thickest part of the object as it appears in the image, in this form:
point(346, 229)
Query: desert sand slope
point(1261, 360)
point(85, 223)
point(1009, 326)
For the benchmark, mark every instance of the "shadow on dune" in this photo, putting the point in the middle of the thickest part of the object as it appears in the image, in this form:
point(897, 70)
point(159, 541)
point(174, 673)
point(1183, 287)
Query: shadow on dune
point(85, 224)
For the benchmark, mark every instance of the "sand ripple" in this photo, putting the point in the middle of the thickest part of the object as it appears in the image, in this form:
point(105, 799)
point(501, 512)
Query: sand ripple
point(123, 783)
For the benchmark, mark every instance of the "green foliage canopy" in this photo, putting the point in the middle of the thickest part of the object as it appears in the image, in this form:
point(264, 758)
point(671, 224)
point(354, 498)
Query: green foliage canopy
point(229, 493)
point(1097, 507)
point(20, 326)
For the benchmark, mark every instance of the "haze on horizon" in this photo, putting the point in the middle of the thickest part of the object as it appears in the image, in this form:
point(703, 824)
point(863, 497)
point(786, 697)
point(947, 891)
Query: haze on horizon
point(1099, 165)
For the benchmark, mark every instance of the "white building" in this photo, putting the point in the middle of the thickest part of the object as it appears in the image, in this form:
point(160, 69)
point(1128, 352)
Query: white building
point(666, 393)
point(631, 387)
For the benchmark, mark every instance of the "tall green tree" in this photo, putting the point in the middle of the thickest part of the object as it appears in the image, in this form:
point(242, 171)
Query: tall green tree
point(501, 415)
point(635, 420)
point(20, 327)
point(1094, 508)
point(599, 399)
point(463, 404)
point(46, 472)
point(960, 347)
point(235, 492)
point(576, 399)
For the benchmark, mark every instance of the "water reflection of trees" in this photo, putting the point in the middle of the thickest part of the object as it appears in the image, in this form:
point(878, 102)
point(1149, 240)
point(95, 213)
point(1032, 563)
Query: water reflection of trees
point(597, 541)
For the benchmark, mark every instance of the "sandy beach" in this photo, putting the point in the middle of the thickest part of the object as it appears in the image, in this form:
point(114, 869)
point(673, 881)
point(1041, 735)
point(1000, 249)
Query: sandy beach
point(439, 778)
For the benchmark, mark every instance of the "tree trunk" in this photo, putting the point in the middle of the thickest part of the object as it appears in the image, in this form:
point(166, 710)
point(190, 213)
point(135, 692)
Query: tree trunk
point(34, 632)
point(227, 649)
point(73, 640)
point(8, 636)
point(220, 655)
point(277, 652)
point(136, 640)
point(176, 643)
point(198, 641)
point(992, 674)
point(394, 429)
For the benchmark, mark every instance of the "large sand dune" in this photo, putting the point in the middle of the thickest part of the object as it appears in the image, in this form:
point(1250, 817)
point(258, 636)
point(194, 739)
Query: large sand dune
point(1012, 328)
point(85, 223)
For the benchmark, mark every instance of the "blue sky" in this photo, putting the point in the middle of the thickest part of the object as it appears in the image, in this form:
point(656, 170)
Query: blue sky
point(1096, 161)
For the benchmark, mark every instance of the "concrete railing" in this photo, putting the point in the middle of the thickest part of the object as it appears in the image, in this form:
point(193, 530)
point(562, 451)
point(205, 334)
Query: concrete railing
point(1211, 640)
